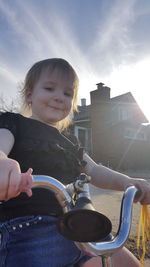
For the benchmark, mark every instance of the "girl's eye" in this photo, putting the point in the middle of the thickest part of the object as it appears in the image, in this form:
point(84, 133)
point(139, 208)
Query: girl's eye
point(68, 94)
point(49, 89)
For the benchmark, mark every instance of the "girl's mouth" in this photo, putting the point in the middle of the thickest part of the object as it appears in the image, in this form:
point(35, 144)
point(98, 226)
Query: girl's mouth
point(56, 108)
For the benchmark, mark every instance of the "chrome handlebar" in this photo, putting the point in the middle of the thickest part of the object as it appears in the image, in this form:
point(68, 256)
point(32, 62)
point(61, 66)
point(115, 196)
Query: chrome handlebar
point(64, 195)
point(109, 247)
point(54, 185)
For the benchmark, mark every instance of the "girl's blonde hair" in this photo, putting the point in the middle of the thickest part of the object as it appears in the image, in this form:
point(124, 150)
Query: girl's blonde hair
point(50, 65)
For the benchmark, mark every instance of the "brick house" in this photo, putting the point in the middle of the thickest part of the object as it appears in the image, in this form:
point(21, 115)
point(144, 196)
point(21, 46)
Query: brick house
point(114, 131)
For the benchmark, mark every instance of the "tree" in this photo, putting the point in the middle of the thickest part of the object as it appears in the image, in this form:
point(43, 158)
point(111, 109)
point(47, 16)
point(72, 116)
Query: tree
point(11, 106)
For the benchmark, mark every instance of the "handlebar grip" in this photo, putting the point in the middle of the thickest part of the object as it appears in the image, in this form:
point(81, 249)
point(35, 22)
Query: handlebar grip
point(109, 247)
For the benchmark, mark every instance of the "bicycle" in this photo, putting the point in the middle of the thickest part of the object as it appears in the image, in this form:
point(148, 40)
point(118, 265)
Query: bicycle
point(77, 192)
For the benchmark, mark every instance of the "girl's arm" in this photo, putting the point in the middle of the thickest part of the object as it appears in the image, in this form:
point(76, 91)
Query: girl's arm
point(108, 179)
point(10, 174)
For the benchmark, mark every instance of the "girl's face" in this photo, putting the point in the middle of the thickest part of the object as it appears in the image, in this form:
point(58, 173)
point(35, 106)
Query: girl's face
point(51, 98)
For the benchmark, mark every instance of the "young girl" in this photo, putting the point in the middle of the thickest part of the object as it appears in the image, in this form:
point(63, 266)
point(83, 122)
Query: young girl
point(28, 220)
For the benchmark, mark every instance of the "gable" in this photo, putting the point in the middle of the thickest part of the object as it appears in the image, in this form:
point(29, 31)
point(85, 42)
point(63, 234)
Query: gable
point(125, 98)
point(127, 101)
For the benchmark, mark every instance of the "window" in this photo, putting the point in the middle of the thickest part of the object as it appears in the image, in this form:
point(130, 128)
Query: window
point(123, 113)
point(136, 134)
point(82, 134)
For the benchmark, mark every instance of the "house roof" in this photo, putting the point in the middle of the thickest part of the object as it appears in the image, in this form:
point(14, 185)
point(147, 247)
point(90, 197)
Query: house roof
point(127, 98)
point(84, 113)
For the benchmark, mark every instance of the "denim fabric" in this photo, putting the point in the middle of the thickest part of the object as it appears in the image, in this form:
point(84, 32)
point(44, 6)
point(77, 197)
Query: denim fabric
point(33, 241)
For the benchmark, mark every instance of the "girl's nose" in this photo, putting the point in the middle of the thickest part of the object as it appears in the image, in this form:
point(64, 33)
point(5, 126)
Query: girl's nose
point(59, 97)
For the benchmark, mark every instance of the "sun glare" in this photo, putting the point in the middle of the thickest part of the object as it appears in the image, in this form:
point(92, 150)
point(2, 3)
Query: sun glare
point(134, 79)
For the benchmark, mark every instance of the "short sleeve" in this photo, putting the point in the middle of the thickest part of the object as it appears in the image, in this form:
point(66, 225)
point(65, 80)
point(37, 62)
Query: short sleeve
point(8, 121)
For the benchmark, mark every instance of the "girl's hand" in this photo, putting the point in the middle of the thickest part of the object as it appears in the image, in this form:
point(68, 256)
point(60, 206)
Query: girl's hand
point(26, 182)
point(11, 179)
point(144, 191)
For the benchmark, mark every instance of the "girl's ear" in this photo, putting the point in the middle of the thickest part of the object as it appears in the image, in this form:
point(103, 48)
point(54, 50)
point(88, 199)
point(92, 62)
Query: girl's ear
point(28, 96)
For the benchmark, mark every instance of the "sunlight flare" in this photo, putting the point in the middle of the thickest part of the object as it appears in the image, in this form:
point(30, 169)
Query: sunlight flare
point(133, 78)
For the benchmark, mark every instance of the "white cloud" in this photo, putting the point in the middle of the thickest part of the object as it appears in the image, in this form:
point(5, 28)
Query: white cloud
point(7, 74)
point(50, 38)
point(114, 44)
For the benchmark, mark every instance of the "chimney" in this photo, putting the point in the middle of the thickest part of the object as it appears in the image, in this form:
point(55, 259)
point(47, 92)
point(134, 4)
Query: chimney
point(101, 94)
point(83, 102)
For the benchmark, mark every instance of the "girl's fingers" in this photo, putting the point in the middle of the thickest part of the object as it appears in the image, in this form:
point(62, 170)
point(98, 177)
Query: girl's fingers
point(29, 171)
point(28, 192)
point(29, 177)
point(4, 180)
point(143, 198)
point(26, 182)
point(13, 183)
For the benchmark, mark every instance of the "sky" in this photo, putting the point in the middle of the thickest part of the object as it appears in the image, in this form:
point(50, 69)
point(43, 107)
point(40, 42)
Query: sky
point(105, 41)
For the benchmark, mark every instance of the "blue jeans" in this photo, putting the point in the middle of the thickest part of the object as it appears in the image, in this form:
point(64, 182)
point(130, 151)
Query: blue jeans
point(33, 241)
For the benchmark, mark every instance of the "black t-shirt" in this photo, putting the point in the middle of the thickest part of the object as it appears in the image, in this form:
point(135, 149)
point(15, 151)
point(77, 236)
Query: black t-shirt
point(48, 152)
